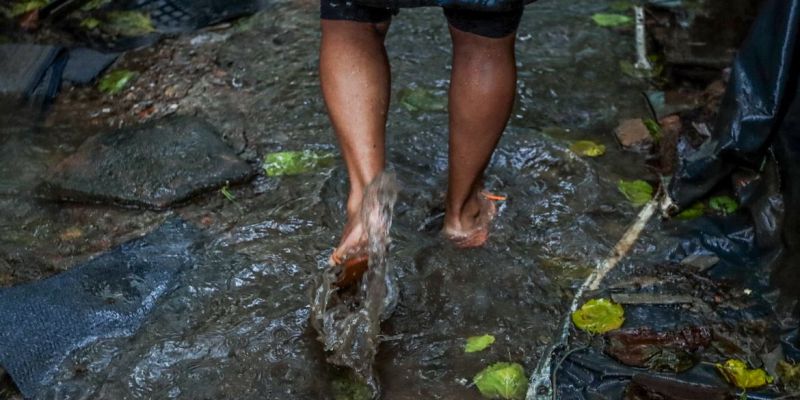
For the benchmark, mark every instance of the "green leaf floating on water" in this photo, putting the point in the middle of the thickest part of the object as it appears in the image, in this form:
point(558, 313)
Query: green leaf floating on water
point(696, 210)
point(502, 381)
point(128, 23)
point(478, 343)
point(737, 373)
point(599, 316)
point(609, 20)
point(588, 148)
point(295, 162)
point(723, 204)
point(638, 192)
point(419, 99)
point(115, 81)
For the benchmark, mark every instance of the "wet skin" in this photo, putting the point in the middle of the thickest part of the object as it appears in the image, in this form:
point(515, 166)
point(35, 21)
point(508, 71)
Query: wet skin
point(355, 79)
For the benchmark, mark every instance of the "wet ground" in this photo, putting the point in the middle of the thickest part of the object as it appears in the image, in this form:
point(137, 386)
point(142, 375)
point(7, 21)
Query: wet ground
point(237, 326)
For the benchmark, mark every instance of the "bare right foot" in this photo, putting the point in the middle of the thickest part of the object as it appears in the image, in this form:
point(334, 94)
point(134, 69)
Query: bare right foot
point(471, 227)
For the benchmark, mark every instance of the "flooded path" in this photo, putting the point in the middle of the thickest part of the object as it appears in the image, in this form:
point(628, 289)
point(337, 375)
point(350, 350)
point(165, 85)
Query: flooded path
point(237, 324)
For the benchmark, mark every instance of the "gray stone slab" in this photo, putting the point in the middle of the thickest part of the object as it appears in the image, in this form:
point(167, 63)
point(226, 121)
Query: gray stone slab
point(153, 165)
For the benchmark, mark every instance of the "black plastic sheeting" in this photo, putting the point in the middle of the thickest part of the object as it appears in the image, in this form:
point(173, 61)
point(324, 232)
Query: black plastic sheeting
point(756, 141)
point(107, 297)
point(756, 146)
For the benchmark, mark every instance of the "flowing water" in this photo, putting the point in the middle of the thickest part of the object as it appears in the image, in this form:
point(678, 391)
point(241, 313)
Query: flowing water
point(237, 325)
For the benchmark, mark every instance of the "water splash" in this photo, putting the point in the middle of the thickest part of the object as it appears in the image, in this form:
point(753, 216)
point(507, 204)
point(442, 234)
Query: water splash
point(348, 320)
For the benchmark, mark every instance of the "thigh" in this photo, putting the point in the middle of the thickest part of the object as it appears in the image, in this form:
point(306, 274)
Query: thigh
point(492, 24)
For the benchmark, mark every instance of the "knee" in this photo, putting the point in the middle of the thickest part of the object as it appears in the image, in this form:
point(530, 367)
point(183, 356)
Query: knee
point(474, 46)
point(353, 29)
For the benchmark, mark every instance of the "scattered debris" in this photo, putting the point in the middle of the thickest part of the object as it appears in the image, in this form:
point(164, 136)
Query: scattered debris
point(723, 204)
point(478, 343)
point(295, 162)
point(588, 148)
point(633, 134)
point(502, 381)
point(599, 316)
point(116, 81)
point(649, 387)
point(789, 375)
point(700, 262)
point(737, 373)
point(419, 99)
point(128, 23)
point(638, 192)
point(670, 351)
point(609, 20)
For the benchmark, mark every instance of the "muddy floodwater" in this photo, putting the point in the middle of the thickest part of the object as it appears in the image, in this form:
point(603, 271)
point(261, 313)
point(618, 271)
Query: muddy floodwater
point(237, 324)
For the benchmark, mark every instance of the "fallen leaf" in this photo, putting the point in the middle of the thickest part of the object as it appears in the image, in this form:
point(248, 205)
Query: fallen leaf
point(599, 316)
point(115, 81)
point(638, 192)
point(609, 20)
point(478, 343)
point(695, 210)
point(128, 23)
point(723, 204)
point(737, 373)
point(295, 162)
point(588, 148)
point(420, 99)
point(24, 7)
point(790, 376)
point(671, 351)
point(502, 381)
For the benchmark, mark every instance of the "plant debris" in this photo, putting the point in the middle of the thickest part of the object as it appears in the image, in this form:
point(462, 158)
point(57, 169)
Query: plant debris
point(671, 351)
point(420, 99)
point(723, 204)
point(128, 23)
point(295, 162)
point(588, 148)
point(116, 81)
point(609, 20)
point(502, 381)
point(638, 192)
point(599, 316)
point(478, 343)
point(737, 373)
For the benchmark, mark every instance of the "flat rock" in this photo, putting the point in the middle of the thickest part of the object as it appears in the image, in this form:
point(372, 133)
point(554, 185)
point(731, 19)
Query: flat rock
point(153, 165)
point(633, 135)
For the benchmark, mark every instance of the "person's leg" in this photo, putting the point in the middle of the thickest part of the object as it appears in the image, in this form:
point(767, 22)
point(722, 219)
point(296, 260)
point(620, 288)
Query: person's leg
point(482, 88)
point(354, 74)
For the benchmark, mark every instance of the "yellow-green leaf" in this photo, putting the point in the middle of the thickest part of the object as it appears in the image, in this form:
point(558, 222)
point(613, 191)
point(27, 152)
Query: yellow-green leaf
point(295, 162)
point(790, 376)
point(588, 148)
point(502, 381)
point(737, 373)
point(128, 23)
point(90, 23)
point(609, 20)
point(115, 81)
point(23, 7)
point(599, 316)
point(694, 211)
point(478, 343)
point(638, 192)
point(723, 204)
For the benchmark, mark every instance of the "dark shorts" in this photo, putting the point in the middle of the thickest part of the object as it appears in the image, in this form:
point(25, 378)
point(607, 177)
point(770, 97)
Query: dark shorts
point(483, 23)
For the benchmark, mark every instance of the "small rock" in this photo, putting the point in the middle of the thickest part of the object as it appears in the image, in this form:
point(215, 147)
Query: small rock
point(632, 134)
point(701, 262)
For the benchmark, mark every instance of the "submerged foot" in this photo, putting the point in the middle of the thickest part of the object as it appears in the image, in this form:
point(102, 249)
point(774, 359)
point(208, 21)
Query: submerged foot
point(350, 259)
point(472, 228)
